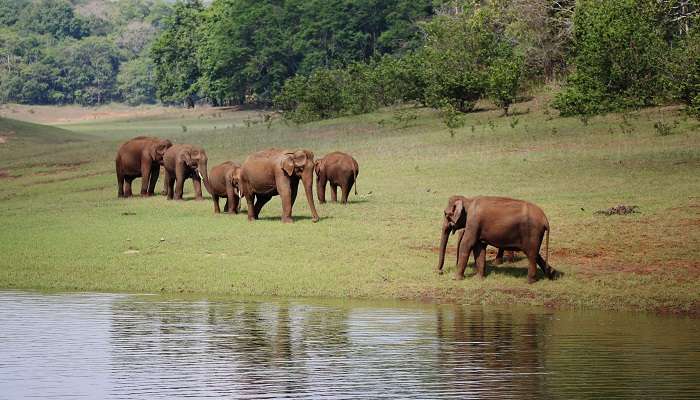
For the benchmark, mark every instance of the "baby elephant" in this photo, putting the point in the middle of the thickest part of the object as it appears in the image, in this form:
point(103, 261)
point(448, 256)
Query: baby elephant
point(455, 221)
point(504, 223)
point(224, 182)
point(338, 169)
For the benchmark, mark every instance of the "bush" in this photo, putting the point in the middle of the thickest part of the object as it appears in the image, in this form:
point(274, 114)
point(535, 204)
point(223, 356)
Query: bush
point(504, 82)
point(619, 58)
point(685, 70)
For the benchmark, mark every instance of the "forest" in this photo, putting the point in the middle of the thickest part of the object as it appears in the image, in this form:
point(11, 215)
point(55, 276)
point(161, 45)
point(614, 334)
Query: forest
point(316, 59)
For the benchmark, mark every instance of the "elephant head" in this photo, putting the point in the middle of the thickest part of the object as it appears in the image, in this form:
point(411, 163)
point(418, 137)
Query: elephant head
point(196, 159)
point(455, 218)
point(158, 149)
point(300, 163)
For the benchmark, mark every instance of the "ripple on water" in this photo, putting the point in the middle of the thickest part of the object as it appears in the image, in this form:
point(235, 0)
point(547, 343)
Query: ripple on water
point(117, 346)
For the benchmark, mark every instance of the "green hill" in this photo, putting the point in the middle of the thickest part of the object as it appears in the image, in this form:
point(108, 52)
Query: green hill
point(12, 130)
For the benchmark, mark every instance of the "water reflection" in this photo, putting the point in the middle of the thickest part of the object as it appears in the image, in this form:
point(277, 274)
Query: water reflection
point(106, 346)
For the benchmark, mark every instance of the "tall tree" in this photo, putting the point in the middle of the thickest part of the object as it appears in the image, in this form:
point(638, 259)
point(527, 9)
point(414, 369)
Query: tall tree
point(174, 54)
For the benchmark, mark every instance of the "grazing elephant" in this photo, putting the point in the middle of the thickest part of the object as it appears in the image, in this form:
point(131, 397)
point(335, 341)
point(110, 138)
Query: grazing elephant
point(183, 161)
point(223, 182)
point(504, 223)
point(338, 169)
point(455, 220)
point(271, 172)
point(141, 157)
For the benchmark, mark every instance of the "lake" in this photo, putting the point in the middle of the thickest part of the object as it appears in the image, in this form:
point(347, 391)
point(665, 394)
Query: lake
point(139, 346)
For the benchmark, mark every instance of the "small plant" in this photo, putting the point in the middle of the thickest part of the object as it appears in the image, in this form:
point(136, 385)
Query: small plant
point(664, 129)
point(451, 117)
point(184, 128)
point(514, 122)
point(404, 116)
point(492, 125)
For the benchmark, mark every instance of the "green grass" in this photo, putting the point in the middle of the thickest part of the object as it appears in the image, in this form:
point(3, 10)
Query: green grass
point(63, 227)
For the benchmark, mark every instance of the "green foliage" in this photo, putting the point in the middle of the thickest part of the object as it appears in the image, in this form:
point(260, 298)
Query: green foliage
point(135, 82)
point(174, 54)
point(52, 54)
point(53, 17)
point(685, 72)
point(451, 117)
point(619, 58)
point(504, 78)
point(458, 56)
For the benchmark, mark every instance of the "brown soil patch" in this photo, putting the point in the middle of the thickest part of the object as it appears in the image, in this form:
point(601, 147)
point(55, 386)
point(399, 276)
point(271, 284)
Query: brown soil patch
point(58, 168)
point(6, 136)
point(4, 174)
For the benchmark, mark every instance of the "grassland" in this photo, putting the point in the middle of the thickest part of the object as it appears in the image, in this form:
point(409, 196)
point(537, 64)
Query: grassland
point(63, 227)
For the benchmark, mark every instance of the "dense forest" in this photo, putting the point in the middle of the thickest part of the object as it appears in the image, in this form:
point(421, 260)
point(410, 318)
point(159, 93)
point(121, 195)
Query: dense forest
point(316, 59)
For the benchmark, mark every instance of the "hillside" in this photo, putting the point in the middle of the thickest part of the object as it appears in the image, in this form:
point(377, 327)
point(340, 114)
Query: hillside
point(64, 228)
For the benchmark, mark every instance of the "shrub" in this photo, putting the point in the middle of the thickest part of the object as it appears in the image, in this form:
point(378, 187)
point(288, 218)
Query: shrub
point(619, 52)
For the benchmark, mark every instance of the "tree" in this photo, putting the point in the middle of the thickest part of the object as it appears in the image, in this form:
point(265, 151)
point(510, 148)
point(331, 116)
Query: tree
point(54, 17)
point(135, 81)
point(176, 69)
point(619, 58)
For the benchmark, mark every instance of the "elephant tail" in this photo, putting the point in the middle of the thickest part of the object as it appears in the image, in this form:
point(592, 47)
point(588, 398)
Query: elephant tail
point(354, 172)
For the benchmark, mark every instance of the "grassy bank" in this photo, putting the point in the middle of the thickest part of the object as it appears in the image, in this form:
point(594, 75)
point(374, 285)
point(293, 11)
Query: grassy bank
point(63, 227)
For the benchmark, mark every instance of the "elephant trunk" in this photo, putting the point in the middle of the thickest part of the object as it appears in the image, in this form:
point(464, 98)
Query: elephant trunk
point(446, 229)
point(307, 179)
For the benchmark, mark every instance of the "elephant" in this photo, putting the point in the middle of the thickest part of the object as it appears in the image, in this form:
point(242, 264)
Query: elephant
point(338, 169)
point(183, 161)
point(455, 223)
point(141, 157)
point(271, 172)
point(223, 182)
point(505, 223)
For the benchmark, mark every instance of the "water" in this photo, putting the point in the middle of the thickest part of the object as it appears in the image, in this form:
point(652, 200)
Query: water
point(116, 346)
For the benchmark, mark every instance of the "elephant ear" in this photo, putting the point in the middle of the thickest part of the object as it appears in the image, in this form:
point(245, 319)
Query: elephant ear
point(288, 164)
point(187, 157)
point(457, 211)
point(300, 158)
point(318, 164)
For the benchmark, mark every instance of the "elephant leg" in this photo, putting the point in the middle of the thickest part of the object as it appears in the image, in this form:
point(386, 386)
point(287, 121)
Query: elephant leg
point(465, 249)
point(321, 182)
point(345, 191)
point(260, 201)
point(179, 182)
point(251, 207)
point(232, 200)
point(127, 186)
point(284, 189)
point(217, 210)
point(480, 258)
point(168, 185)
point(294, 190)
point(197, 182)
point(499, 257)
point(145, 177)
point(120, 184)
point(532, 266)
point(460, 235)
point(155, 172)
point(334, 192)
point(511, 256)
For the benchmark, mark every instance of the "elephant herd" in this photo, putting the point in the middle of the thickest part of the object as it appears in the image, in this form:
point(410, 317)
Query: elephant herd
point(504, 223)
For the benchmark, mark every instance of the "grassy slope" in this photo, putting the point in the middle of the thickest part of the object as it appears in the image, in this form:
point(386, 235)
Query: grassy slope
point(63, 227)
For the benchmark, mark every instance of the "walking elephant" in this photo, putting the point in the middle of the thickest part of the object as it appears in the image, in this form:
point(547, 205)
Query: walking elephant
point(338, 169)
point(455, 221)
point(223, 182)
point(141, 157)
point(504, 223)
point(275, 172)
point(183, 161)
